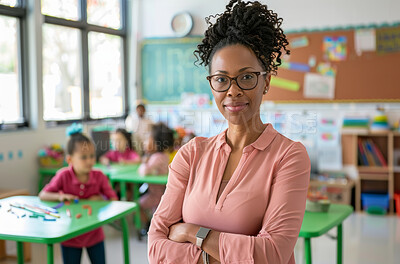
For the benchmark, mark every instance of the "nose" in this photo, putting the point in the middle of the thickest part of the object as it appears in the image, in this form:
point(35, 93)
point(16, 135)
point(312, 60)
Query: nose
point(234, 90)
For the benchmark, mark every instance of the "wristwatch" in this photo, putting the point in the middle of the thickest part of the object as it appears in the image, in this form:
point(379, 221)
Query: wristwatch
point(201, 235)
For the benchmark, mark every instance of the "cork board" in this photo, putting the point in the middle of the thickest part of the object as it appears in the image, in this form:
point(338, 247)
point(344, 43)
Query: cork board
point(372, 76)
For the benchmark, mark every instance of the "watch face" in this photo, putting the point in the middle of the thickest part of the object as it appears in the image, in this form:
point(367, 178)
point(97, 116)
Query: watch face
point(181, 24)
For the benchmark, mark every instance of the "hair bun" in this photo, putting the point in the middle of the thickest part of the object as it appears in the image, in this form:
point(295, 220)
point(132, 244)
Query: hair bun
point(73, 129)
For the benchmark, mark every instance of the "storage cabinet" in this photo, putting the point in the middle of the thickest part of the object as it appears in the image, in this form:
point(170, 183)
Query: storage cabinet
point(365, 152)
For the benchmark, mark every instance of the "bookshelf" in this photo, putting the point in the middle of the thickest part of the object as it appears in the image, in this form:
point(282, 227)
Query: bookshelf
point(374, 175)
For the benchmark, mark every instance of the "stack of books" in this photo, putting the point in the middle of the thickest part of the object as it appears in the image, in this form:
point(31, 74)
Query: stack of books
point(369, 154)
point(355, 125)
point(380, 123)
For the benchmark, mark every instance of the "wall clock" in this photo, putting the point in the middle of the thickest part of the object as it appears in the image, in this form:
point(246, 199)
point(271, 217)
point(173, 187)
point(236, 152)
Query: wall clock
point(182, 24)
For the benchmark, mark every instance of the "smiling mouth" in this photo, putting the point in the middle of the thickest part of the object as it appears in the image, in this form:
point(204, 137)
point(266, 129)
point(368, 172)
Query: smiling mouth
point(236, 108)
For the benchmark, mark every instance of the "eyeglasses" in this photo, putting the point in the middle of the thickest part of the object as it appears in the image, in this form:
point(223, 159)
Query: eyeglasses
point(245, 81)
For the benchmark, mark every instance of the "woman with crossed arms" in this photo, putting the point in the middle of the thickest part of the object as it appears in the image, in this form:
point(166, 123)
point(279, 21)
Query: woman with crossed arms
point(238, 197)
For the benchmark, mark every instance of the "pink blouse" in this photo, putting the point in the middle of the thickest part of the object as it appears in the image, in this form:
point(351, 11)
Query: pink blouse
point(259, 213)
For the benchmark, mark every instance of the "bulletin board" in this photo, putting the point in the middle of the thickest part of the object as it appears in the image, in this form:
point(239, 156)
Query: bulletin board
point(168, 70)
point(361, 74)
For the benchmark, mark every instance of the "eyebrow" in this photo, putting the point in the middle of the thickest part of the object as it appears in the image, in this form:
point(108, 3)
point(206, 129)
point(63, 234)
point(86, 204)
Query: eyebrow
point(241, 70)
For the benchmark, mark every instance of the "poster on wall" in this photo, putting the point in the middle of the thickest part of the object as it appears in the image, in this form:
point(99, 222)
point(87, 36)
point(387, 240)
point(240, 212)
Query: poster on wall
point(328, 143)
point(326, 69)
point(364, 40)
point(387, 40)
point(335, 48)
point(319, 86)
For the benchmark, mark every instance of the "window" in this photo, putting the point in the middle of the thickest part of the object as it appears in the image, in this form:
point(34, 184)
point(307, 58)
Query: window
point(13, 88)
point(83, 59)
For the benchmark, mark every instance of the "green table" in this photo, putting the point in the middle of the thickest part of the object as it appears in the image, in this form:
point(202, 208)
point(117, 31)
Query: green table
point(135, 178)
point(107, 170)
point(36, 230)
point(317, 224)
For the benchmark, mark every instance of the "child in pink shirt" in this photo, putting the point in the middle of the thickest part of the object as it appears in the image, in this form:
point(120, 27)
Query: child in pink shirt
point(160, 140)
point(123, 149)
point(80, 181)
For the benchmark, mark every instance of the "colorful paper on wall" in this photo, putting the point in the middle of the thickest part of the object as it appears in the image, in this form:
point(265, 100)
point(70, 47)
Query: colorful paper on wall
point(335, 48)
point(326, 69)
point(294, 66)
point(387, 40)
point(192, 100)
point(328, 142)
point(299, 42)
point(312, 61)
point(285, 84)
point(364, 40)
point(319, 86)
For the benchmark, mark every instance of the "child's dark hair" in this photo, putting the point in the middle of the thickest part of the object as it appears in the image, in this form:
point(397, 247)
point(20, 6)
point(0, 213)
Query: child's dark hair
point(77, 138)
point(163, 136)
point(250, 24)
point(127, 136)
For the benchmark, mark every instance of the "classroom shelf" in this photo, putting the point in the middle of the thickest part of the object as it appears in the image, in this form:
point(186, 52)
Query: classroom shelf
point(373, 169)
point(374, 176)
point(373, 179)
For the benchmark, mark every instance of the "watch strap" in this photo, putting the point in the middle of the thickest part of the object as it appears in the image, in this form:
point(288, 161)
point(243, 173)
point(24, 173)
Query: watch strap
point(205, 256)
point(201, 235)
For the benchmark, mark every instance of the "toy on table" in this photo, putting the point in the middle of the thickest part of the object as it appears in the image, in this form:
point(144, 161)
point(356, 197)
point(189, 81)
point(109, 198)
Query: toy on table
point(317, 200)
point(86, 206)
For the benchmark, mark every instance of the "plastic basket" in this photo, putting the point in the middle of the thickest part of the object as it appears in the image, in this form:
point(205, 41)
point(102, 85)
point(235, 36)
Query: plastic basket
point(375, 200)
point(49, 162)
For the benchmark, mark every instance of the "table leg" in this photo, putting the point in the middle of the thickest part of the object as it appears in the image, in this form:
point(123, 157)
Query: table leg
point(136, 196)
point(307, 250)
point(50, 254)
point(20, 252)
point(123, 191)
point(339, 244)
point(125, 237)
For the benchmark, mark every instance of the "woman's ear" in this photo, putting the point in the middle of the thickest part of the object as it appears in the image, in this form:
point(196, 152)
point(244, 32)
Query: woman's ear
point(267, 83)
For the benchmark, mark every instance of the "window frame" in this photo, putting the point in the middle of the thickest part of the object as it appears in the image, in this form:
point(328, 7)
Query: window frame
point(84, 27)
point(20, 13)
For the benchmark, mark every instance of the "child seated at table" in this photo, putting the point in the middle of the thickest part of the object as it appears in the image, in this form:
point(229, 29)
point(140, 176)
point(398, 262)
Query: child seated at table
point(123, 151)
point(160, 140)
point(80, 181)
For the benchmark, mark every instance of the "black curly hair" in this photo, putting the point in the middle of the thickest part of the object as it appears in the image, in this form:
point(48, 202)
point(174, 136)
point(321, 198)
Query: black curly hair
point(250, 24)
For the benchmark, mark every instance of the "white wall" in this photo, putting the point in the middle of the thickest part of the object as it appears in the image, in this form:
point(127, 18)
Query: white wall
point(297, 15)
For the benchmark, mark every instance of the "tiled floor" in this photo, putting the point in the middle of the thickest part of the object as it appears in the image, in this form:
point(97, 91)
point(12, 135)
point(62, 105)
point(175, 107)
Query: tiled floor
point(368, 239)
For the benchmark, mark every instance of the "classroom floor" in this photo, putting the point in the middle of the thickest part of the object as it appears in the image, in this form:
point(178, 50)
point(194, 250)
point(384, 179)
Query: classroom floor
point(367, 239)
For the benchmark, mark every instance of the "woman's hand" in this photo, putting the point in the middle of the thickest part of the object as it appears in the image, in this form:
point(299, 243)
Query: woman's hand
point(183, 232)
